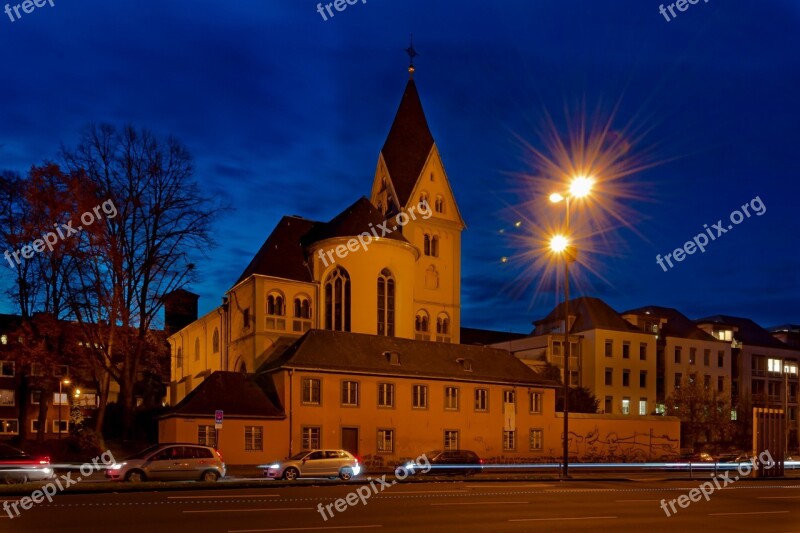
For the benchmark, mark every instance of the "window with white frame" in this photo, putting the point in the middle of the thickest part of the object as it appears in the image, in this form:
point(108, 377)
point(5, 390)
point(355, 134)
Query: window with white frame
point(7, 397)
point(60, 398)
point(537, 440)
point(311, 391)
point(626, 406)
point(536, 402)
point(419, 397)
point(9, 427)
point(642, 406)
point(87, 400)
point(350, 393)
point(311, 437)
point(509, 396)
point(774, 365)
point(451, 398)
point(509, 440)
point(35, 426)
point(7, 369)
point(206, 435)
point(450, 439)
point(385, 395)
point(253, 439)
point(63, 424)
point(385, 441)
point(481, 399)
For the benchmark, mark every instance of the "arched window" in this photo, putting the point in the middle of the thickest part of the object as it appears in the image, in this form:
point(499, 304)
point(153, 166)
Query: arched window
point(179, 358)
point(386, 303)
point(422, 326)
point(243, 367)
point(215, 341)
point(435, 246)
point(302, 314)
point(426, 248)
point(423, 198)
point(439, 206)
point(337, 300)
point(197, 349)
point(276, 309)
point(443, 328)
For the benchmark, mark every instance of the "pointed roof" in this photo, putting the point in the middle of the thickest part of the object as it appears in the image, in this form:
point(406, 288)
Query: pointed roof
point(408, 144)
point(356, 219)
point(282, 255)
point(590, 313)
point(677, 325)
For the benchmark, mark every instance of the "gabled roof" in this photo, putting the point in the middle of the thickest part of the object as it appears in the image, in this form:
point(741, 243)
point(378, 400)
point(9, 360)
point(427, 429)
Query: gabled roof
point(282, 254)
point(408, 144)
point(352, 222)
point(235, 393)
point(748, 331)
point(589, 313)
point(485, 337)
point(677, 325)
point(355, 353)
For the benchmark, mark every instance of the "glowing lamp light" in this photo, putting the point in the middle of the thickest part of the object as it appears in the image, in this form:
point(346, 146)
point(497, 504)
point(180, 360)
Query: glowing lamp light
point(555, 197)
point(580, 187)
point(559, 243)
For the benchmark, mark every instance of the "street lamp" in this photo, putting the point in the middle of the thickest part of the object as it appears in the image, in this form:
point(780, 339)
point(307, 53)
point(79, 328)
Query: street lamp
point(61, 382)
point(559, 244)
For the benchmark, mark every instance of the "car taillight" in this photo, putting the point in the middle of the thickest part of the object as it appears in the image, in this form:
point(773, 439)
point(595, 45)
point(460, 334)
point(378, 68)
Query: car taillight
point(44, 461)
point(480, 461)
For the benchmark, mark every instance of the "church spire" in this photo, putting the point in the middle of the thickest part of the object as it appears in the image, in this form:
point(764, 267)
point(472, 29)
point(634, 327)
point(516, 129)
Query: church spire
point(411, 55)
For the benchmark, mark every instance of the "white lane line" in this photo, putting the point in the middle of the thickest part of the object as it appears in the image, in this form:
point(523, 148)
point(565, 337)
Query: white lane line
point(753, 512)
point(214, 497)
point(476, 503)
point(250, 510)
point(509, 486)
point(428, 491)
point(300, 529)
point(562, 518)
point(634, 501)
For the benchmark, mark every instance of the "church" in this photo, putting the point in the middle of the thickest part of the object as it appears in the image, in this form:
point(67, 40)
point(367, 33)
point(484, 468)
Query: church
point(345, 334)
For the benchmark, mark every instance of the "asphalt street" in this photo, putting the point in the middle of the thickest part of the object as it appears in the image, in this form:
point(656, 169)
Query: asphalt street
point(438, 506)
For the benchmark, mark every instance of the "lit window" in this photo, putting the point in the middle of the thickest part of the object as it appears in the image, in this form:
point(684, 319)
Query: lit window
point(626, 406)
point(643, 406)
point(7, 397)
point(9, 427)
point(774, 365)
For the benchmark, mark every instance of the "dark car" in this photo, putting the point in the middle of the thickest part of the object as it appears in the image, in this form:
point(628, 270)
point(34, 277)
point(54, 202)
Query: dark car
point(17, 466)
point(464, 462)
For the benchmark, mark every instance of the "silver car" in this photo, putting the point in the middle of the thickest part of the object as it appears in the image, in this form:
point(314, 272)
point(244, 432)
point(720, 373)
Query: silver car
point(170, 462)
point(315, 463)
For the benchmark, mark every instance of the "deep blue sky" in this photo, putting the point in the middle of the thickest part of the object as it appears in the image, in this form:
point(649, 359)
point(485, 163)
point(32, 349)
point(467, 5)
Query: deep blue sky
point(286, 114)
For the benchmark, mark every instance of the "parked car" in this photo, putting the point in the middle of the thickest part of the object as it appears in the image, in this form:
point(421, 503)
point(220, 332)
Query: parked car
point(701, 457)
point(17, 466)
point(170, 462)
point(315, 463)
point(464, 462)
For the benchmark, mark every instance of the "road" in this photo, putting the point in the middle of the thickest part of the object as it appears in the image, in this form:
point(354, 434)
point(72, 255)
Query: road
point(465, 506)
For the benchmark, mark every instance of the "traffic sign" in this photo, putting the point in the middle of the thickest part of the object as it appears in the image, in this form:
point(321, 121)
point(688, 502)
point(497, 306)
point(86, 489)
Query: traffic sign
point(218, 419)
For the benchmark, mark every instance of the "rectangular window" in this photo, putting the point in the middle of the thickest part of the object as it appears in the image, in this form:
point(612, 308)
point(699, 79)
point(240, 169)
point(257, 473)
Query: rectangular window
point(706, 382)
point(450, 439)
point(451, 398)
point(678, 354)
point(60, 371)
point(609, 377)
point(509, 397)
point(706, 357)
point(350, 393)
point(626, 378)
point(608, 408)
point(678, 379)
point(774, 365)
point(35, 426)
point(536, 403)
point(385, 395)
point(642, 406)
point(721, 358)
point(311, 438)
point(692, 356)
point(253, 439)
point(7, 397)
point(60, 398)
point(64, 426)
point(481, 399)
point(9, 427)
point(626, 406)
point(206, 436)
point(37, 369)
point(721, 384)
point(609, 348)
point(36, 397)
point(311, 391)
point(626, 350)
point(537, 440)
point(385, 441)
point(643, 378)
point(7, 369)
point(643, 351)
point(419, 397)
point(509, 440)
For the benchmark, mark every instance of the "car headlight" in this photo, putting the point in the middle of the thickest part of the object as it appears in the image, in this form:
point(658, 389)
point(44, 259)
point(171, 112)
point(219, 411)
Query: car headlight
point(117, 466)
point(356, 469)
point(276, 465)
point(47, 471)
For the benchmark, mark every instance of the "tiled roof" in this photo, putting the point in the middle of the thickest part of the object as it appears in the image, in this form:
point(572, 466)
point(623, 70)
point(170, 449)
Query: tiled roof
point(748, 331)
point(353, 221)
point(337, 351)
point(485, 337)
point(677, 325)
point(235, 393)
point(282, 255)
point(589, 313)
point(408, 144)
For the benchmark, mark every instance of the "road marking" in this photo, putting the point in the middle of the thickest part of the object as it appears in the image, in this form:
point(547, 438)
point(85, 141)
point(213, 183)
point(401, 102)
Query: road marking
point(427, 491)
point(300, 529)
point(753, 512)
point(224, 496)
point(510, 486)
point(562, 518)
point(633, 501)
point(778, 497)
point(475, 503)
point(250, 510)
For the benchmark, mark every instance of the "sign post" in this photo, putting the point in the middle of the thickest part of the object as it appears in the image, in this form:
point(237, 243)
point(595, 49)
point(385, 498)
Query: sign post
point(218, 416)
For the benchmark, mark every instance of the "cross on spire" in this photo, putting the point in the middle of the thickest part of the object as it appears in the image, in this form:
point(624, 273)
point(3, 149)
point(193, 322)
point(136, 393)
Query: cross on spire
point(411, 55)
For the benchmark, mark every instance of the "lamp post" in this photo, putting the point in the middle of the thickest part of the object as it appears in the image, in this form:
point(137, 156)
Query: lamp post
point(560, 244)
point(61, 382)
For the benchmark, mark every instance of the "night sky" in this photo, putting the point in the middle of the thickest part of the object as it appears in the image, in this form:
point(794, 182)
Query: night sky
point(285, 113)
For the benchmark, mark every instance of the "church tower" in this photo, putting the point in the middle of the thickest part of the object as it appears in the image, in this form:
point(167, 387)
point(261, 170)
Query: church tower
point(410, 177)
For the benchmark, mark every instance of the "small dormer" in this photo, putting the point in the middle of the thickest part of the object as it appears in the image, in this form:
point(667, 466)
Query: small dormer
point(392, 357)
point(466, 364)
